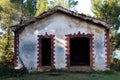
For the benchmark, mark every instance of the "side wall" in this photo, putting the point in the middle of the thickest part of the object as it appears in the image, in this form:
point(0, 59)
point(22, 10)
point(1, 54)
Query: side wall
point(60, 25)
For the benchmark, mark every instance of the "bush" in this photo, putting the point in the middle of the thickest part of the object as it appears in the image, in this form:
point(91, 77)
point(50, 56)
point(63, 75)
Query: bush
point(11, 72)
point(115, 64)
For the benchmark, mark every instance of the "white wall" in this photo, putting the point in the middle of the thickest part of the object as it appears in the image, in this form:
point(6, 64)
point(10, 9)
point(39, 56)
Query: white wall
point(60, 25)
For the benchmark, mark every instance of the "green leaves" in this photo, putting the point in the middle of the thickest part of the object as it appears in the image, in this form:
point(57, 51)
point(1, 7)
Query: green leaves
point(109, 10)
point(7, 18)
point(44, 5)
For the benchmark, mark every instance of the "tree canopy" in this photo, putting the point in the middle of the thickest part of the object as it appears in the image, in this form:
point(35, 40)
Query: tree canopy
point(109, 10)
point(44, 5)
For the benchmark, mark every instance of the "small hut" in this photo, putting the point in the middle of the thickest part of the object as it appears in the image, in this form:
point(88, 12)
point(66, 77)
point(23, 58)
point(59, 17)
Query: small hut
point(62, 39)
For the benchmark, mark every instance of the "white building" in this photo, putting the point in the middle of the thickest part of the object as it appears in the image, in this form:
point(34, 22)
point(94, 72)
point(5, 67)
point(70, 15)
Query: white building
point(60, 38)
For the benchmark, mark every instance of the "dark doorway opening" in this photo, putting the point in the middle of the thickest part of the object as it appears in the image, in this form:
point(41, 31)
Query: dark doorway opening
point(79, 51)
point(46, 51)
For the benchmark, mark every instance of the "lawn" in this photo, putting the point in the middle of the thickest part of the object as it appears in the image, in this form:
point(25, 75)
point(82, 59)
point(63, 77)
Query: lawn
point(64, 75)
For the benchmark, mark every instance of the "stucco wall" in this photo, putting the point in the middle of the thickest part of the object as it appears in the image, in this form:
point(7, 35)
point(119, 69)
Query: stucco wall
point(60, 25)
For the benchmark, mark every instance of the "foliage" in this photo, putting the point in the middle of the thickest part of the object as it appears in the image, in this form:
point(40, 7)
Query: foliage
point(7, 16)
point(115, 64)
point(6, 47)
point(72, 4)
point(44, 5)
point(12, 12)
point(115, 41)
point(109, 10)
point(10, 72)
point(30, 8)
point(27, 8)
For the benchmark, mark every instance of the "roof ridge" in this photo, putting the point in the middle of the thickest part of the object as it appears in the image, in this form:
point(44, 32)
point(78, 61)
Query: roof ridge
point(66, 11)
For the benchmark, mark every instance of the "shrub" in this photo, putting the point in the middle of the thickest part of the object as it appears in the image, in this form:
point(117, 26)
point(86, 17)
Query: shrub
point(115, 64)
point(11, 72)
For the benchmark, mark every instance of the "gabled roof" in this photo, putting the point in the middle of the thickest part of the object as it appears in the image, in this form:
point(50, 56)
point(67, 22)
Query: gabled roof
point(65, 11)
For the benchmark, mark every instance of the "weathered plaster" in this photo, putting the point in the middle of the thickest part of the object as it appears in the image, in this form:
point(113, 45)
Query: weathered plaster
point(60, 25)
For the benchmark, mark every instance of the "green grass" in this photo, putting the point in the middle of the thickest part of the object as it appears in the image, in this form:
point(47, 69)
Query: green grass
point(64, 75)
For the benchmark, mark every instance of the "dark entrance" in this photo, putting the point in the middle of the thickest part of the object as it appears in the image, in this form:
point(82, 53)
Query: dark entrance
point(79, 51)
point(46, 51)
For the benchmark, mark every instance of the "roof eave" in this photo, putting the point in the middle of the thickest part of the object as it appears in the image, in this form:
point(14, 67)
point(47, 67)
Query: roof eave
point(66, 11)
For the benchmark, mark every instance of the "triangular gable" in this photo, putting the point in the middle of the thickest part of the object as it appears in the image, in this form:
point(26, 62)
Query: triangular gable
point(65, 11)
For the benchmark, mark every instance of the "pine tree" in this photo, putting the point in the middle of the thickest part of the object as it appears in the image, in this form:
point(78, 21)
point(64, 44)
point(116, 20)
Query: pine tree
point(107, 10)
point(12, 12)
point(44, 5)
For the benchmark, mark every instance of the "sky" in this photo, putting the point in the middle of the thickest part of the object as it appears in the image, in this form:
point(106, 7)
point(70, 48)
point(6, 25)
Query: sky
point(84, 7)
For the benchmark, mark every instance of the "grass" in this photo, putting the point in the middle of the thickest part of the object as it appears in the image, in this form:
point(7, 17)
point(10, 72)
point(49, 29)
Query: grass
point(63, 75)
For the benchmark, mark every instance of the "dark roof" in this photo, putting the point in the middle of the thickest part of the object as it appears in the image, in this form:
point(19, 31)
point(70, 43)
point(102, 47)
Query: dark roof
point(63, 10)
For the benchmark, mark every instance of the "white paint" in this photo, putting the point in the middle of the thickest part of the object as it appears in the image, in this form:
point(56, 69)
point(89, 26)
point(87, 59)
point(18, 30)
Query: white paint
point(60, 25)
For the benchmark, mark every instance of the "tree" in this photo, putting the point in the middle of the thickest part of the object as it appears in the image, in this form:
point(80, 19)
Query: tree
point(44, 5)
point(109, 10)
point(30, 8)
point(115, 41)
point(12, 12)
point(72, 4)
point(41, 5)
point(27, 8)
point(6, 44)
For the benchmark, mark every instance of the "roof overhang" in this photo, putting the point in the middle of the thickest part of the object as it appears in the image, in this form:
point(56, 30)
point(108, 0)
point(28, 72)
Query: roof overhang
point(65, 11)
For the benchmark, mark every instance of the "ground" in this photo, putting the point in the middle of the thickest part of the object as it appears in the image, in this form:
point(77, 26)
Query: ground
point(65, 75)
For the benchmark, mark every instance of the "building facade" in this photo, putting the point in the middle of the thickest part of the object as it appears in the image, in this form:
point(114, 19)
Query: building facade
point(62, 39)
